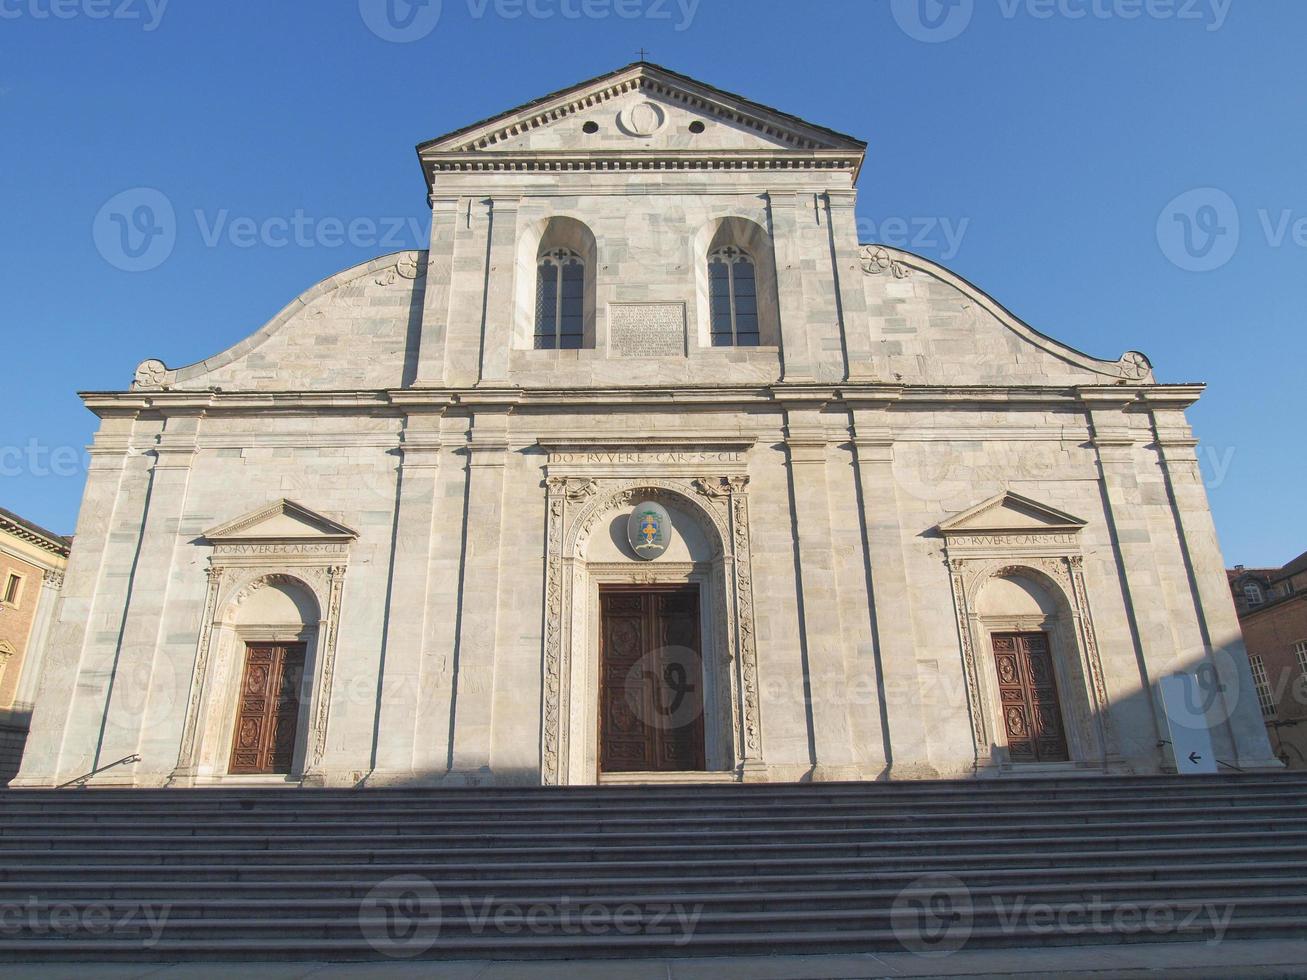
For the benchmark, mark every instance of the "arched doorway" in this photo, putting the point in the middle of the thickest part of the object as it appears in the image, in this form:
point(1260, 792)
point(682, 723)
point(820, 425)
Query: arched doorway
point(261, 683)
point(273, 690)
point(1037, 693)
point(650, 669)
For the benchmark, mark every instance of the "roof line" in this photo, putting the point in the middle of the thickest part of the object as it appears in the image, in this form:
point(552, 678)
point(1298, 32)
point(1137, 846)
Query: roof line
point(58, 540)
point(625, 68)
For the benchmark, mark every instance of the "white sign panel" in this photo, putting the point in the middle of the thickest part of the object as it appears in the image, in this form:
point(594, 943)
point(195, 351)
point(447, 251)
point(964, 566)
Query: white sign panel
point(1191, 739)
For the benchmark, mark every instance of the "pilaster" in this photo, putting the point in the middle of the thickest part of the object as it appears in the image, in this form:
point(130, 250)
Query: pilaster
point(497, 328)
point(826, 668)
point(51, 582)
point(431, 754)
point(896, 648)
point(1114, 443)
point(854, 321)
point(141, 698)
point(797, 360)
point(1209, 586)
point(402, 655)
point(474, 668)
point(435, 304)
point(469, 291)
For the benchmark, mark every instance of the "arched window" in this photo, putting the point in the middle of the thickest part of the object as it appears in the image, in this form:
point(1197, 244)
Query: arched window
point(560, 300)
point(732, 298)
point(1252, 593)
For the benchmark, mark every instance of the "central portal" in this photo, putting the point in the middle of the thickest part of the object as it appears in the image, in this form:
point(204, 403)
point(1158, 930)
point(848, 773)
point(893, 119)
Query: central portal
point(651, 679)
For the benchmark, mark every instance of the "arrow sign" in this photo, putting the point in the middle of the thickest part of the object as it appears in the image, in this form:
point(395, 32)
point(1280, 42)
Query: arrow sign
point(1191, 739)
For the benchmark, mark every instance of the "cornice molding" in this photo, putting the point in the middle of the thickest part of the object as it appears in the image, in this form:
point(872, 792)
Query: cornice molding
point(396, 403)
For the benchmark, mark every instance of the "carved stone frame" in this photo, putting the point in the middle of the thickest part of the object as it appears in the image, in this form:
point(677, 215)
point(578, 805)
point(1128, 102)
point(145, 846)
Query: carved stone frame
point(1081, 687)
point(236, 570)
point(574, 507)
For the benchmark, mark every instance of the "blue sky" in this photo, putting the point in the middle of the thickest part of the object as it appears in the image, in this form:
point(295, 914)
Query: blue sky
point(1039, 147)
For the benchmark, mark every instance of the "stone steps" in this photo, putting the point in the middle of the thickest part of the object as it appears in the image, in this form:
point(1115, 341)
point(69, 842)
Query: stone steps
point(530, 823)
point(1291, 831)
point(359, 874)
point(478, 848)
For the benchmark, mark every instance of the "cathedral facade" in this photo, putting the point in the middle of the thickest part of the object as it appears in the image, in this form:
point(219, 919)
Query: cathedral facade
point(647, 470)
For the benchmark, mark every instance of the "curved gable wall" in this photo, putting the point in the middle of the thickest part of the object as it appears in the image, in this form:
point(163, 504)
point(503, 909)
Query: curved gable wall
point(356, 329)
point(930, 326)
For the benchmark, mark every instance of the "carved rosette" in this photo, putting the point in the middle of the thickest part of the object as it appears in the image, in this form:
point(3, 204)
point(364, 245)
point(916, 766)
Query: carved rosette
point(877, 259)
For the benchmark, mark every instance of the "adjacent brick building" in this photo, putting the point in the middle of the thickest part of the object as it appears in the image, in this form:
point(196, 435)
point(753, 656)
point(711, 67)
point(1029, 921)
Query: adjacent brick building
point(32, 562)
point(1272, 607)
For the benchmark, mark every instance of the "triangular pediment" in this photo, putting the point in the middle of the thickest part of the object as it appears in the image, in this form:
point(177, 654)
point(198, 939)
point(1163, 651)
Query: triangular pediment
point(1010, 512)
point(642, 109)
point(281, 520)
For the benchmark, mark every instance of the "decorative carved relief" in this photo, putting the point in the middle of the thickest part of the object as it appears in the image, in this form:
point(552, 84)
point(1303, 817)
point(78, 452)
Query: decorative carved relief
point(151, 373)
point(876, 259)
point(1063, 574)
point(408, 267)
point(719, 506)
point(336, 577)
point(238, 570)
point(1134, 366)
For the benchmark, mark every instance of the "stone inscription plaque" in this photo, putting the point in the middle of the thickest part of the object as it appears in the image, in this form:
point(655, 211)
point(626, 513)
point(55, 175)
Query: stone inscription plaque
point(646, 329)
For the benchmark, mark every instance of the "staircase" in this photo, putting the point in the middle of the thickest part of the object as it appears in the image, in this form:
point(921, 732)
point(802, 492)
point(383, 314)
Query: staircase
point(103, 874)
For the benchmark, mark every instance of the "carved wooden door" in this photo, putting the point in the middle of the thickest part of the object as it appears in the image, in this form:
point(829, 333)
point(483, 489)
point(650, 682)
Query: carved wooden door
point(651, 681)
point(267, 710)
point(1027, 685)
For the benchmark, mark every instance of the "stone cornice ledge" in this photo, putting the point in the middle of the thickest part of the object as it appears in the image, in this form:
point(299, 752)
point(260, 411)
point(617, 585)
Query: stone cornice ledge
point(396, 402)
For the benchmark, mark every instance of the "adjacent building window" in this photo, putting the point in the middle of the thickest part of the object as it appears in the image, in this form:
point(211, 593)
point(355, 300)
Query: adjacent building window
point(1252, 593)
point(1300, 651)
point(560, 301)
point(733, 298)
point(13, 589)
point(1264, 699)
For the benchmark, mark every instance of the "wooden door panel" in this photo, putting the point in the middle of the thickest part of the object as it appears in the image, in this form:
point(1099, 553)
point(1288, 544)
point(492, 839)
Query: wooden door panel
point(1027, 687)
point(267, 712)
point(651, 681)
